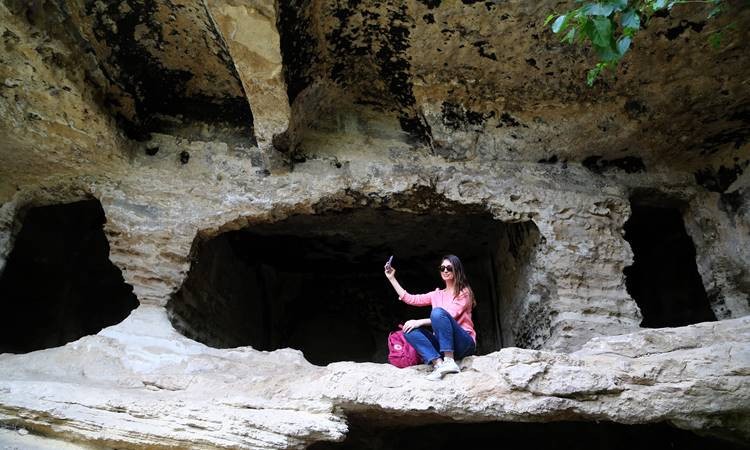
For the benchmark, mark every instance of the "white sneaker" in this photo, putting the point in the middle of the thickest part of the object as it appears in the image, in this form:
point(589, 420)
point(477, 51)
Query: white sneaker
point(448, 366)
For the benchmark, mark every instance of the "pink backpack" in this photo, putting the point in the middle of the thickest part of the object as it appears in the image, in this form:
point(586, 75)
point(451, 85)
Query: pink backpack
point(400, 352)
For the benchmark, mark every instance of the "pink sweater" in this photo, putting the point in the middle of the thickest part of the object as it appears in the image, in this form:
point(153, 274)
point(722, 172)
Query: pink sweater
point(459, 308)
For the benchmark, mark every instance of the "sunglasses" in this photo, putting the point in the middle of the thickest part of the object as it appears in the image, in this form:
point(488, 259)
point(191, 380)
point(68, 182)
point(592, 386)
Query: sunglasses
point(445, 268)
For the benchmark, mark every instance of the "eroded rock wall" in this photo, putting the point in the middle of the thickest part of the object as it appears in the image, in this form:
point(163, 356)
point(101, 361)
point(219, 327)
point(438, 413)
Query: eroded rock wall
point(159, 193)
point(719, 226)
point(191, 119)
point(250, 30)
point(53, 125)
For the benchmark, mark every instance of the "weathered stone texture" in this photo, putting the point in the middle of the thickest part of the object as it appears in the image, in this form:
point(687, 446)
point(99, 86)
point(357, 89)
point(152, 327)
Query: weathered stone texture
point(142, 384)
point(483, 78)
point(493, 75)
point(165, 62)
point(410, 107)
point(718, 224)
point(52, 124)
point(249, 29)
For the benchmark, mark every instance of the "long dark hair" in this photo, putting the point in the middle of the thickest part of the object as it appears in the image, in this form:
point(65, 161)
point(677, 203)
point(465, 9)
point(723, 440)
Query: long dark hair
point(461, 282)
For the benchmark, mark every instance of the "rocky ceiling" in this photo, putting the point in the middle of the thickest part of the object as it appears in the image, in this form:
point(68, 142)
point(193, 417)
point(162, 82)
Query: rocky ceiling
point(468, 76)
point(369, 236)
point(463, 80)
point(157, 64)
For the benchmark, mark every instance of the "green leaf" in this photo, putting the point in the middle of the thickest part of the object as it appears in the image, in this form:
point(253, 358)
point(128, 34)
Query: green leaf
point(560, 23)
point(598, 9)
point(619, 4)
point(714, 12)
point(630, 19)
point(610, 26)
point(583, 29)
point(607, 53)
point(623, 44)
point(602, 36)
point(715, 39)
point(593, 74)
point(587, 29)
point(570, 36)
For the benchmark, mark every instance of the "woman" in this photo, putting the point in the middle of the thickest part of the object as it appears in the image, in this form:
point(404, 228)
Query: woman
point(452, 334)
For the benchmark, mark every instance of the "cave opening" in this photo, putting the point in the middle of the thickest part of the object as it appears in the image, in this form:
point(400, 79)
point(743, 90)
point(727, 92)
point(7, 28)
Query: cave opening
point(664, 279)
point(59, 284)
point(368, 433)
point(315, 282)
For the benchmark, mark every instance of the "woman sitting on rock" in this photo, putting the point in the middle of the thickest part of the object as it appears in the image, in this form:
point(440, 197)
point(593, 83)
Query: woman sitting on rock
point(452, 334)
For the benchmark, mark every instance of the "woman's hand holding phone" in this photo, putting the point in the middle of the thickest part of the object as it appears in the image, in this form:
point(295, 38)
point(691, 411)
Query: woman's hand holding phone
point(390, 272)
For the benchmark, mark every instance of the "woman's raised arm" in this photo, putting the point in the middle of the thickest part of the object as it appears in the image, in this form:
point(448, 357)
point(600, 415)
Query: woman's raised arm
point(410, 299)
point(390, 273)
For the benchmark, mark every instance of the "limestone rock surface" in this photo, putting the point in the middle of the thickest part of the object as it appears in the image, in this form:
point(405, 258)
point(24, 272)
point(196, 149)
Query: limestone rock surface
point(142, 384)
point(189, 119)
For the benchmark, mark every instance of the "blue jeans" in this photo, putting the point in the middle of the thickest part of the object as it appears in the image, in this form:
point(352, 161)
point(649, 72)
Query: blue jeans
point(447, 336)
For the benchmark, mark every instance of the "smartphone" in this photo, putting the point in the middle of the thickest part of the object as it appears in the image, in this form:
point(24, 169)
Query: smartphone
point(388, 264)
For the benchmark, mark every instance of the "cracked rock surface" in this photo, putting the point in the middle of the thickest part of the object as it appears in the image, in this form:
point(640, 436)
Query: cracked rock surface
point(142, 384)
point(189, 119)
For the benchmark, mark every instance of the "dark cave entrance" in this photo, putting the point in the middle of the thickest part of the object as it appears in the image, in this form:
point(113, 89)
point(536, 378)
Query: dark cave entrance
point(664, 278)
point(59, 284)
point(315, 282)
point(367, 434)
